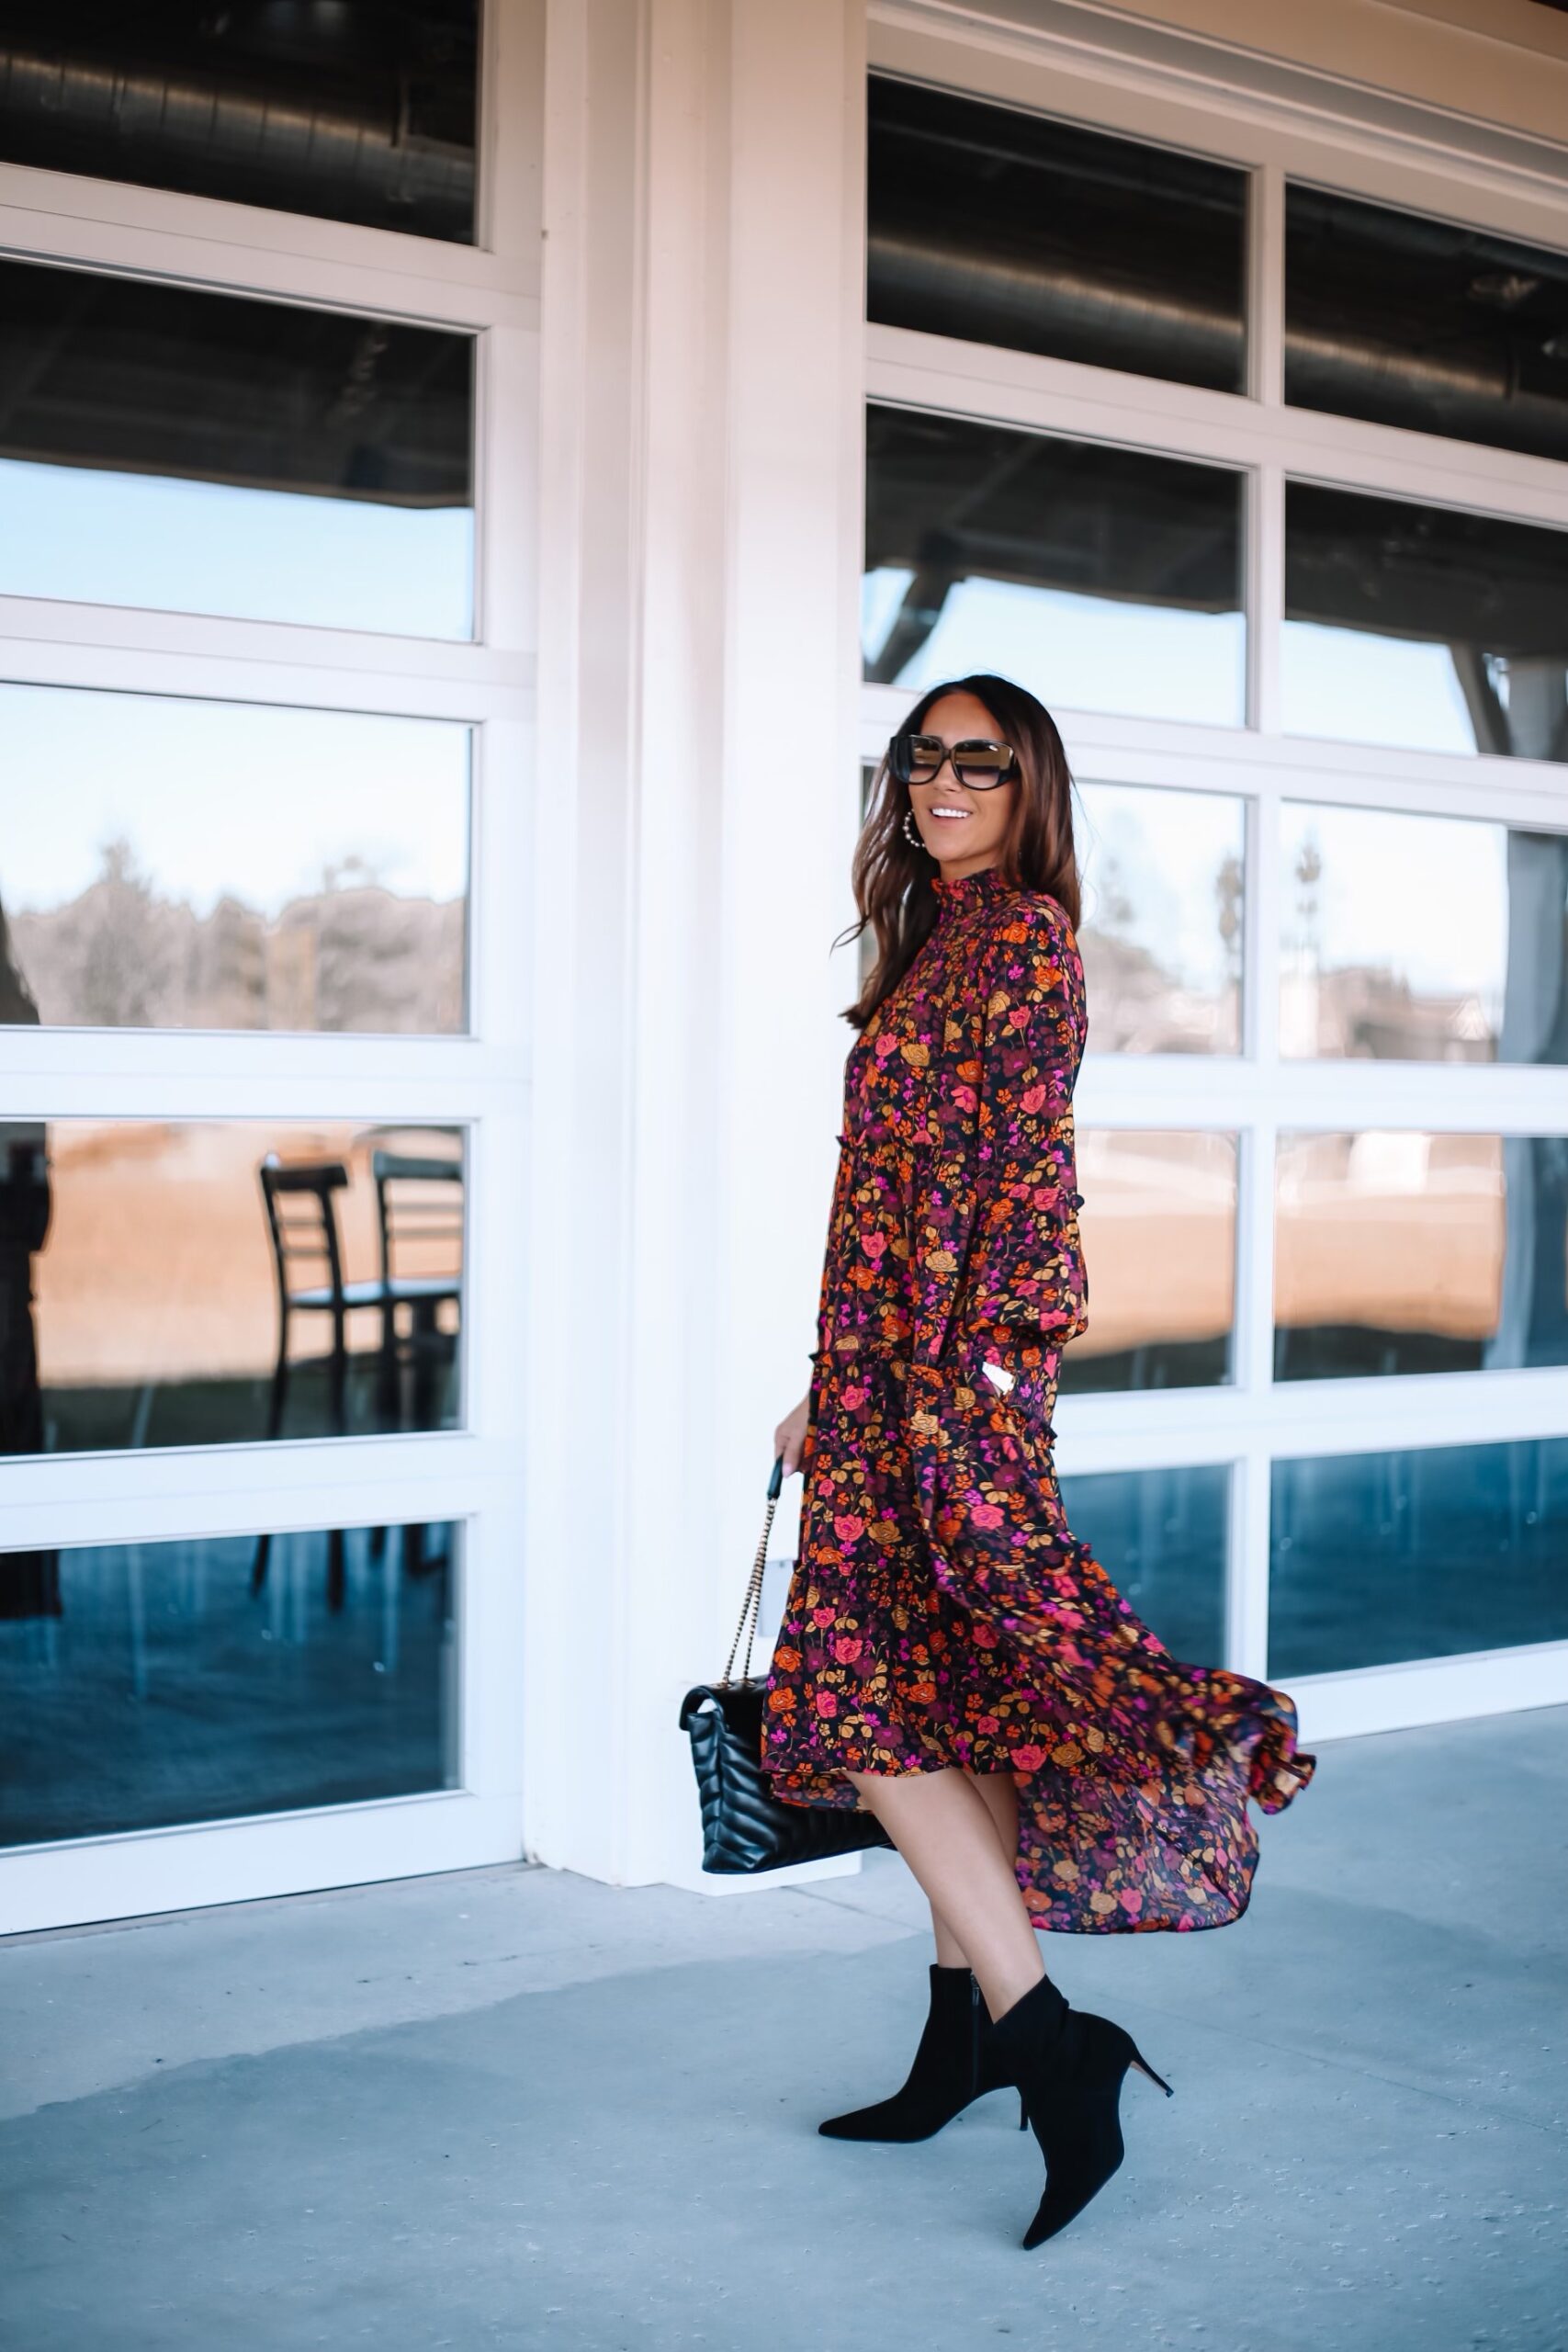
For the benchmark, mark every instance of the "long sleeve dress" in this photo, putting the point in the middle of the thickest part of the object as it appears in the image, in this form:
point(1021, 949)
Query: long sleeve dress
point(941, 1611)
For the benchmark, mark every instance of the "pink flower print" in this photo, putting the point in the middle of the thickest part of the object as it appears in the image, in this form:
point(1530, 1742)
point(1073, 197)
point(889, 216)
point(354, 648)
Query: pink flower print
point(848, 1528)
point(823, 1616)
point(846, 1651)
point(1131, 1900)
point(1034, 1097)
point(966, 1097)
point(826, 1704)
point(987, 1515)
point(987, 1723)
point(874, 1244)
point(1029, 1758)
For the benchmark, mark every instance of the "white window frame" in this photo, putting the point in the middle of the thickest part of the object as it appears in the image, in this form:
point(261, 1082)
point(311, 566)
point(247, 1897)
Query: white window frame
point(473, 1477)
point(1401, 160)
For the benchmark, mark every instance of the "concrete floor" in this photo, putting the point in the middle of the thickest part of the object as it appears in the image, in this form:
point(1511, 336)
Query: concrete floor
point(517, 2108)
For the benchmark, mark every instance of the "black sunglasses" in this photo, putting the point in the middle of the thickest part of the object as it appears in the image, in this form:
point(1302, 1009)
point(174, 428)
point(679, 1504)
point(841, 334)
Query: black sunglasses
point(981, 765)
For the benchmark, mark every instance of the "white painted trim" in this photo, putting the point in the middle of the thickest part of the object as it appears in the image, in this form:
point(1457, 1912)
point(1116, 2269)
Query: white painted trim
point(1438, 1691)
point(1307, 1419)
point(942, 373)
point(233, 1861)
point(417, 280)
point(122, 650)
point(1266, 285)
point(1224, 97)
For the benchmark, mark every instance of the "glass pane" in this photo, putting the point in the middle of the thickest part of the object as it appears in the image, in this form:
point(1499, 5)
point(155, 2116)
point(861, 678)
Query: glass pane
point(1422, 938)
point(1423, 626)
point(324, 886)
point(1397, 1252)
point(207, 454)
point(1425, 323)
point(1158, 1226)
point(1376, 1558)
point(157, 1253)
point(1162, 927)
point(143, 1685)
point(1161, 1536)
point(349, 111)
point(1101, 578)
point(1007, 228)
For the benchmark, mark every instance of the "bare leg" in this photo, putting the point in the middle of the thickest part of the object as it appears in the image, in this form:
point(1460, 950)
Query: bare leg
point(945, 1830)
point(1001, 1792)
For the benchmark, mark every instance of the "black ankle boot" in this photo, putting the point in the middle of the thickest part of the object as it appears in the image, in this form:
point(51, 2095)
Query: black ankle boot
point(955, 2064)
point(1068, 2064)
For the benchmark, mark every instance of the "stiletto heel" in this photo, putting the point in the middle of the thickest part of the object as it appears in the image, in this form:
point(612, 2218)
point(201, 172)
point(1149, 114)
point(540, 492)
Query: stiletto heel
point(1142, 2062)
point(1069, 2065)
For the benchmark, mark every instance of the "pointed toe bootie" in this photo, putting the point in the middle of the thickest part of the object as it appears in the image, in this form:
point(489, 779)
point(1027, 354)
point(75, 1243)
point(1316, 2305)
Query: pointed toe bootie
point(1068, 2064)
point(956, 2063)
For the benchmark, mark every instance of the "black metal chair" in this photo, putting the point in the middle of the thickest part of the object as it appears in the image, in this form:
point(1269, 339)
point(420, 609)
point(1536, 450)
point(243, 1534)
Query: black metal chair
point(302, 1224)
point(419, 1210)
point(419, 1207)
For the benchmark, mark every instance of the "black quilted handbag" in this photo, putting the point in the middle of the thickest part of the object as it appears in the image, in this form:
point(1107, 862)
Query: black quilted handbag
point(745, 1827)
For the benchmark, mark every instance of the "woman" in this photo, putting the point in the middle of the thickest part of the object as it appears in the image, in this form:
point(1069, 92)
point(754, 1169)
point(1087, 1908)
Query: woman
point(950, 1656)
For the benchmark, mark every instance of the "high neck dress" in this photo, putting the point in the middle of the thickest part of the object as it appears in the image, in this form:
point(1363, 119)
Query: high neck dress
point(941, 1611)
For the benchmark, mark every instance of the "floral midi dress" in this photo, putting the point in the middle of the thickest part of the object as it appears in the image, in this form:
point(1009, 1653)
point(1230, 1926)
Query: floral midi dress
point(940, 1613)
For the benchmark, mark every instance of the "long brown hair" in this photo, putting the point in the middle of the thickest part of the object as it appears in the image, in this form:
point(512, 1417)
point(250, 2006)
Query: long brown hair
point(892, 878)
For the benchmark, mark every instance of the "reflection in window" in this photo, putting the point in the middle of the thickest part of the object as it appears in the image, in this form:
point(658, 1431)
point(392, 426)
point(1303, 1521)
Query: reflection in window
point(1376, 1558)
point(1425, 323)
point(1101, 578)
point(1162, 925)
point(1415, 938)
point(1007, 228)
point(1423, 626)
point(213, 1281)
point(205, 453)
point(351, 112)
point(144, 1685)
point(1161, 1537)
point(1158, 1227)
point(177, 864)
point(1399, 1252)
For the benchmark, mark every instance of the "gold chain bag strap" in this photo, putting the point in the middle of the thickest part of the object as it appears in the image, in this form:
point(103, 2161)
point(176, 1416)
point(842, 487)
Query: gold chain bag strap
point(745, 1827)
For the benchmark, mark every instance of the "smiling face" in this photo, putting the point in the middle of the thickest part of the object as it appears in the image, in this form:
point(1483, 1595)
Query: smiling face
point(963, 829)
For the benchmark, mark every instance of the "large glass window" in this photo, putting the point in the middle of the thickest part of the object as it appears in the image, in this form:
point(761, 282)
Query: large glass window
point(1161, 1537)
point(177, 864)
point(1100, 578)
point(1162, 923)
point(211, 1281)
point(202, 453)
point(1009, 228)
point(144, 1685)
point(1423, 625)
point(1414, 938)
point(1429, 1552)
point(1399, 1251)
point(1425, 323)
point(1158, 1227)
point(350, 109)
point(1417, 630)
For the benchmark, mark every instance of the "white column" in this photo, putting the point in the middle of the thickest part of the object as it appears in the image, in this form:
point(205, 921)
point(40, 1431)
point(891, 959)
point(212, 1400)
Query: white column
point(697, 806)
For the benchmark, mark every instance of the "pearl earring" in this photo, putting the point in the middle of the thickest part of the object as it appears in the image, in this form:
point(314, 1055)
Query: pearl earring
point(909, 829)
